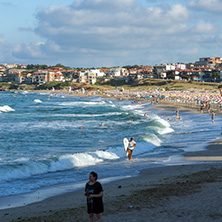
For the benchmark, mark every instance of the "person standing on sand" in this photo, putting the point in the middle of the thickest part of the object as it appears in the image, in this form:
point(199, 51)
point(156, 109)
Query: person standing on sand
point(94, 193)
point(131, 146)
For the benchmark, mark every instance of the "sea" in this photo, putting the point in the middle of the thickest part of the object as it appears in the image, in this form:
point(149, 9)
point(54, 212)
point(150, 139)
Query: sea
point(49, 143)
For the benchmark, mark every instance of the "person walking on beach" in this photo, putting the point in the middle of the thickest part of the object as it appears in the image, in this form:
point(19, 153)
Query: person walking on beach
point(131, 146)
point(94, 193)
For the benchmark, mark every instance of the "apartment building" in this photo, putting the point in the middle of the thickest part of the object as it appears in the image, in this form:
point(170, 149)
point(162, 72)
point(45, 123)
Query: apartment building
point(208, 62)
point(87, 77)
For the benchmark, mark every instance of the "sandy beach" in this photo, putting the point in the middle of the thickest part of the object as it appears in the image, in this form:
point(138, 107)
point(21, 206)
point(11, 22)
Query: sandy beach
point(188, 192)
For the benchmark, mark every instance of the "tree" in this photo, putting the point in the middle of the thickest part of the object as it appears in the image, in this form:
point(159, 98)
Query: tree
point(215, 74)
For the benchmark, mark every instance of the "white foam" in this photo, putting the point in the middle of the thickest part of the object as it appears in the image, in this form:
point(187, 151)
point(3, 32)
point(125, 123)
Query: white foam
point(6, 109)
point(106, 155)
point(64, 162)
point(24, 92)
point(165, 131)
point(90, 115)
point(37, 101)
point(75, 160)
point(161, 126)
point(82, 104)
point(153, 139)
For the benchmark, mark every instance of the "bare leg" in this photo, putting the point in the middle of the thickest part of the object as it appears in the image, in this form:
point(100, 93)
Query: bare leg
point(91, 217)
point(99, 217)
point(130, 154)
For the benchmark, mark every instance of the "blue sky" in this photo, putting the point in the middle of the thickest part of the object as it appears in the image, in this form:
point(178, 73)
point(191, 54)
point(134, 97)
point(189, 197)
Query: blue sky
point(104, 33)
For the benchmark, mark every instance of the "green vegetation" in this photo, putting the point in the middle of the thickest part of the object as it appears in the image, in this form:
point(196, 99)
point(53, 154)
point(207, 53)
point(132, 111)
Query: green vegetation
point(111, 84)
point(36, 67)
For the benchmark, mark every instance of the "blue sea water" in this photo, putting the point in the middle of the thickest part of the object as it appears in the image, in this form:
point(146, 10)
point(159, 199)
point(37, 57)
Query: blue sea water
point(49, 140)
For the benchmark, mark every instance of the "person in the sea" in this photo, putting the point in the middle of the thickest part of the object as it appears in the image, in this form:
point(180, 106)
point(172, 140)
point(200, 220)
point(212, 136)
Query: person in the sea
point(179, 118)
point(131, 146)
point(177, 113)
point(94, 193)
point(212, 117)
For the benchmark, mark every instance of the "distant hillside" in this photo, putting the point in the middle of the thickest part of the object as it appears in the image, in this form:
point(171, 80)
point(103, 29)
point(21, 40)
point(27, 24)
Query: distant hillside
point(140, 85)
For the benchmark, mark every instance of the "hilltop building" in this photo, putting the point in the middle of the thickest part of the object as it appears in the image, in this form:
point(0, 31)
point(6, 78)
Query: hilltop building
point(208, 62)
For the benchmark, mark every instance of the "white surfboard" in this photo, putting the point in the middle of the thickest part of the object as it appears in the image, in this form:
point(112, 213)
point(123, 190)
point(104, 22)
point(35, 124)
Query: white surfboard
point(126, 144)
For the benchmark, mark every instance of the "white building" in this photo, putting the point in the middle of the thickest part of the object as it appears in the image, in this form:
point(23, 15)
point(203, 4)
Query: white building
point(169, 67)
point(87, 77)
point(97, 72)
point(180, 66)
point(114, 72)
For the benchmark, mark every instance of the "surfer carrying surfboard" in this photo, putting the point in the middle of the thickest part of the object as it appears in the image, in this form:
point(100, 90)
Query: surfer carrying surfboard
point(130, 148)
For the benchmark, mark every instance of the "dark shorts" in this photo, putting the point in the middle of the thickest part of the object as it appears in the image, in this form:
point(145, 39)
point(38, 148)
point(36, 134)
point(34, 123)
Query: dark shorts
point(95, 207)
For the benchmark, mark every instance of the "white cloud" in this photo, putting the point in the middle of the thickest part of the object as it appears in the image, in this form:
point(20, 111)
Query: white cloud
point(96, 29)
point(204, 27)
point(105, 4)
point(5, 50)
point(207, 5)
point(119, 32)
point(31, 51)
point(191, 52)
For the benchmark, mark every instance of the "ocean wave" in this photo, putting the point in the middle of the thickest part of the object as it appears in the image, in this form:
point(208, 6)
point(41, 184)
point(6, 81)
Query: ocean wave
point(6, 109)
point(82, 104)
point(90, 115)
point(27, 168)
point(159, 125)
point(134, 107)
point(153, 139)
point(37, 101)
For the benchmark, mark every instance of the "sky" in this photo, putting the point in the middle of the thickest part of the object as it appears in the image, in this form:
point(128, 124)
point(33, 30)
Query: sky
point(106, 33)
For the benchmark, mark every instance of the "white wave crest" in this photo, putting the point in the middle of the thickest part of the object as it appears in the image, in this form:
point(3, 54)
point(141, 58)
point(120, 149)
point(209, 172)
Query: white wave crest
point(161, 126)
point(64, 162)
point(6, 109)
point(90, 115)
point(37, 101)
point(83, 104)
point(153, 139)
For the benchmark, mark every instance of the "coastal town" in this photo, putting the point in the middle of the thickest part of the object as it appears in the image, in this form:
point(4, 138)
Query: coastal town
point(207, 69)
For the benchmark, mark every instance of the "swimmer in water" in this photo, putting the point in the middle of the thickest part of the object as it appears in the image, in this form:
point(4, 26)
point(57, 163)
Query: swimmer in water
point(179, 118)
point(177, 113)
point(212, 117)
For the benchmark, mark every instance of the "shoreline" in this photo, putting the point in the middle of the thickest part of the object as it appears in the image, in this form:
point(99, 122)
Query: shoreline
point(71, 205)
point(123, 198)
